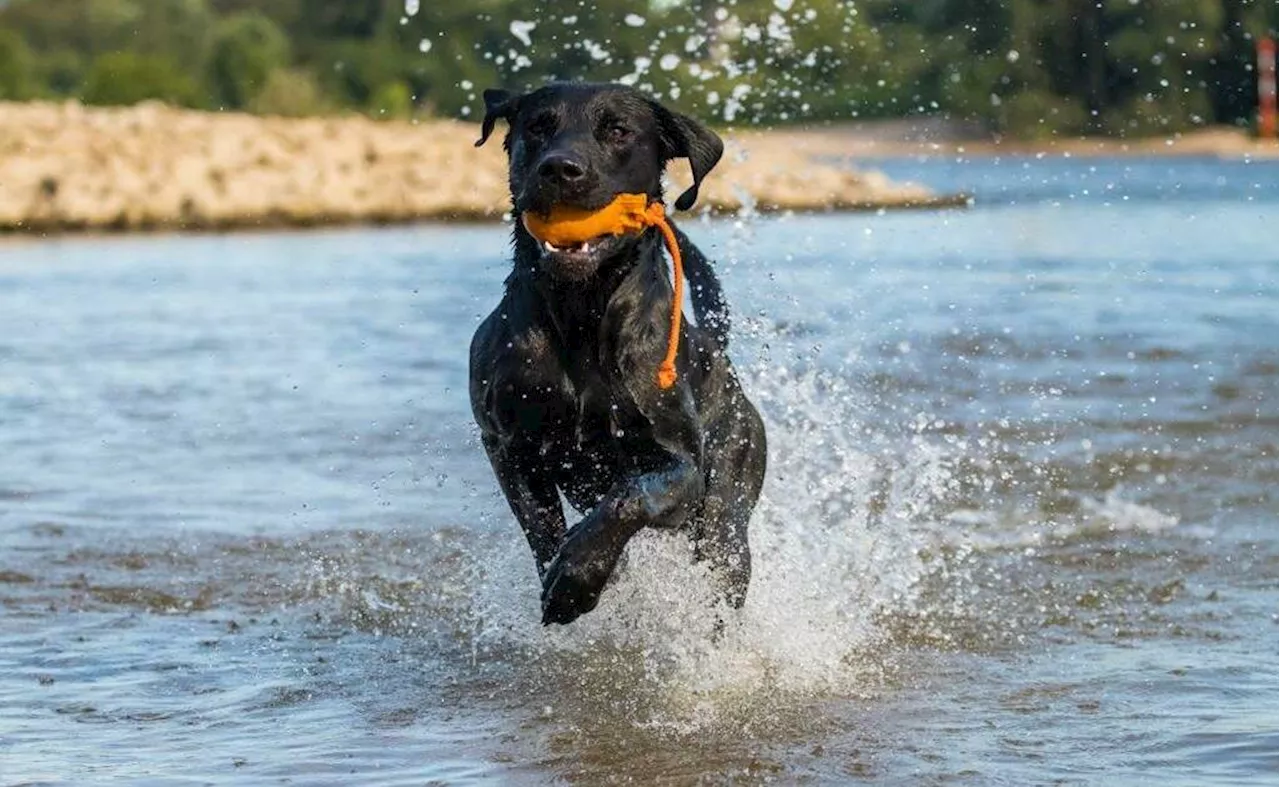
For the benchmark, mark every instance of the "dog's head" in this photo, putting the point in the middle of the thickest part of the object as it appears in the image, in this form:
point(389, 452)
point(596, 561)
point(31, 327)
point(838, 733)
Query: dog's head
point(580, 145)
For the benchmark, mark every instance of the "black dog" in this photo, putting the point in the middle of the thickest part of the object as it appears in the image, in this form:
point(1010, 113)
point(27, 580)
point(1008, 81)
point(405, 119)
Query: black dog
point(562, 372)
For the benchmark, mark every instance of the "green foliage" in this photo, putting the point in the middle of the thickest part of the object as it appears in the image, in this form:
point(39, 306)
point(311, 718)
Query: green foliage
point(1025, 67)
point(68, 36)
point(392, 100)
point(61, 72)
point(355, 70)
point(128, 77)
point(247, 48)
point(291, 92)
point(16, 80)
point(327, 19)
point(284, 13)
point(176, 29)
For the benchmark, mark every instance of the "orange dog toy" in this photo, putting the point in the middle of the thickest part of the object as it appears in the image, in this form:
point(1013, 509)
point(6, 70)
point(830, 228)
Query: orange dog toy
point(627, 213)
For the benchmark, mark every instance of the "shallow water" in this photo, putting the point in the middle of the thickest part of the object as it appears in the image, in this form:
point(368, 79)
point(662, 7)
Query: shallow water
point(1020, 524)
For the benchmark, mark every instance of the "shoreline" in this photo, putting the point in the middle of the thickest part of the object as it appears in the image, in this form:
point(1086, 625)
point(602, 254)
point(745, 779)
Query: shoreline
point(68, 168)
point(275, 223)
point(934, 138)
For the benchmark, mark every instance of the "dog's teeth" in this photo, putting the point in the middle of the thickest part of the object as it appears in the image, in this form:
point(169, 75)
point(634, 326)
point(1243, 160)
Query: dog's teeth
point(585, 247)
point(546, 244)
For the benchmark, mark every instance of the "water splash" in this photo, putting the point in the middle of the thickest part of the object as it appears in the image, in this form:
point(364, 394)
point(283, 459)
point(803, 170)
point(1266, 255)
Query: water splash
point(522, 29)
point(836, 544)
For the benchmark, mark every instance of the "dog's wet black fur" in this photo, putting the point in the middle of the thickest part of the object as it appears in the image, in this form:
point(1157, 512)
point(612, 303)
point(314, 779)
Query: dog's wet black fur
point(563, 372)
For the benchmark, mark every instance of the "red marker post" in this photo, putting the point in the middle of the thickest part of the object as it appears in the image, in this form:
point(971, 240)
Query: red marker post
point(1266, 87)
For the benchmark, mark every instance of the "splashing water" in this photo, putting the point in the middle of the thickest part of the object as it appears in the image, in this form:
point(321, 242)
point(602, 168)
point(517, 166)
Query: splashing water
point(521, 29)
point(839, 539)
point(836, 543)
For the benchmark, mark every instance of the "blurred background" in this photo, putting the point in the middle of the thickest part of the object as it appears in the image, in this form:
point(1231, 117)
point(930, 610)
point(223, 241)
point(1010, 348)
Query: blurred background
point(1023, 67)
point(1019, 525)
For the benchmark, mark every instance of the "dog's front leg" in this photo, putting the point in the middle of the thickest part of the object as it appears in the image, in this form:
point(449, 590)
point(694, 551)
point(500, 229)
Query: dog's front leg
point(663, 497)
point(532, 495)
point(577, 575)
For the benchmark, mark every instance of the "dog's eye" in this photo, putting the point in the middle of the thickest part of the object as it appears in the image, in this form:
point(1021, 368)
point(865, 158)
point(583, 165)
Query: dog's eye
point(542, 125)
point(617, 132)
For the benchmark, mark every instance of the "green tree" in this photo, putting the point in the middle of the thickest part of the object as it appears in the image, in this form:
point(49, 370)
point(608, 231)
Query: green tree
point(176, 29)
point(337, 19)
point(392, 100)
point(1025, 67)
point(355, 70)
point(66, 35)
point(751, 64)
point(16, 82)
point(128, 77)
point(247, 47)
point(285, 13)
point(290, 92)
point(61, 71)
point(1156, 53)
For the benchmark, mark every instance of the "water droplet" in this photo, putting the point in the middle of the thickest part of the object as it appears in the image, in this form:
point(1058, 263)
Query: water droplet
point(521, 30)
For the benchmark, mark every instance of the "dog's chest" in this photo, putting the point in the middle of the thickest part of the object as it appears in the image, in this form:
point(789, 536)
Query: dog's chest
point(602, 423)
point(606, 439)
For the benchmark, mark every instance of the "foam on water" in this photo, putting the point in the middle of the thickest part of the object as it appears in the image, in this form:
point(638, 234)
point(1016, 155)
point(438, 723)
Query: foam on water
point(1112, 513)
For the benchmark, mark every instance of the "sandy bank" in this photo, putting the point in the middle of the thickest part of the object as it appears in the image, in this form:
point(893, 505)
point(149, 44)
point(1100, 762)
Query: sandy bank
point(69, 167)
point(934, 138)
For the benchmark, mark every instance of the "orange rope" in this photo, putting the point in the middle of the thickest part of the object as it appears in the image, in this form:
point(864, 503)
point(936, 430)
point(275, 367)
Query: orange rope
point(667, 369)
point(627, 213)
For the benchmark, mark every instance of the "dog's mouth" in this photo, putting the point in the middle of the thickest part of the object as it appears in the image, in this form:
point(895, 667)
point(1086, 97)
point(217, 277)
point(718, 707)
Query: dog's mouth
point(580, 261)
point(586, 248)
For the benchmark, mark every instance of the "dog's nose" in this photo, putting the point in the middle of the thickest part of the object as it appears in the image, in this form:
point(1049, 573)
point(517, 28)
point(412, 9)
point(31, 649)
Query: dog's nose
point(561, 169)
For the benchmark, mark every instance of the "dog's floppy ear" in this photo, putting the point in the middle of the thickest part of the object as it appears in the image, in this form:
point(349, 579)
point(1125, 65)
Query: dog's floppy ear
point(684, 137)
point(497, 104)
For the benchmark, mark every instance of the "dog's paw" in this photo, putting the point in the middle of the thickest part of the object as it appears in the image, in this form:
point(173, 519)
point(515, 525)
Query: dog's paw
point(572, 586)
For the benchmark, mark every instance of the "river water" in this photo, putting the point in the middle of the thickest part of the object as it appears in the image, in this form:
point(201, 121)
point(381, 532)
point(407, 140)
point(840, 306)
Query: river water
point(1020, 525)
